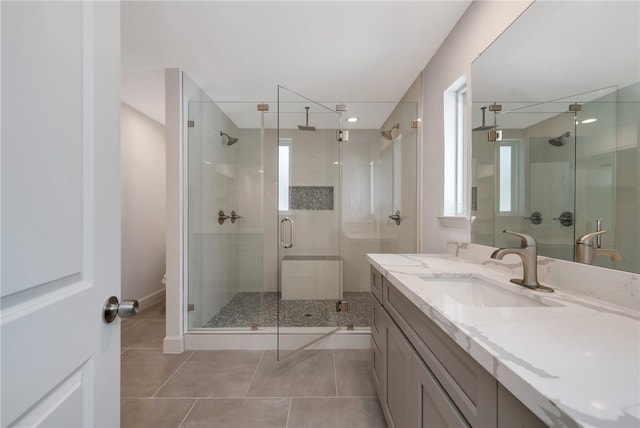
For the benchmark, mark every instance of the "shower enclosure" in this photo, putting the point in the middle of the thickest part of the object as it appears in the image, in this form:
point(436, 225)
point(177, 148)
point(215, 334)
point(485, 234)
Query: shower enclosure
point(279, 215)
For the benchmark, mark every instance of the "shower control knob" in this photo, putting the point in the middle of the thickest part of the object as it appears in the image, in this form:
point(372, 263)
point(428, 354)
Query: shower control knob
point(566, 218)
point(112, 308)
point(234, 217)
point(222, 217)
point(396, 217)
point(535, 217)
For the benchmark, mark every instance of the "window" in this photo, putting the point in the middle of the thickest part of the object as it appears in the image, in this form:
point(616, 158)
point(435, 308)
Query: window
point(509, 177)
point(455, 149)
point(284, 172)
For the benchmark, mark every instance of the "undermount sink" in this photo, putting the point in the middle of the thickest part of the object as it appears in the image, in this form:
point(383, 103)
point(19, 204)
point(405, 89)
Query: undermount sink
point(477, 292)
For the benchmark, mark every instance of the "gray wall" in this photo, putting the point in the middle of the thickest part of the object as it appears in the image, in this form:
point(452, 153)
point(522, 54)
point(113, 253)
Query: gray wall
point(143, 207)
point(482, 23)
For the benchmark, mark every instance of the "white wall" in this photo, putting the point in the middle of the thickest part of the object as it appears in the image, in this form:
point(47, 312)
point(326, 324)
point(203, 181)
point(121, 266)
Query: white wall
point(482, 23)
point(143, 207)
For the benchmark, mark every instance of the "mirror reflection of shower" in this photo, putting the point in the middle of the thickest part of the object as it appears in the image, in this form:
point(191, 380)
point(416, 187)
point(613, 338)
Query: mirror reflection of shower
point(387, 134)
point(228, 139)
point(560, 141)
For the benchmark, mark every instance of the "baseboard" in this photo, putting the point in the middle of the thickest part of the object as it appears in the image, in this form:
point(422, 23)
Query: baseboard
point(342, 339)
point(151, 299)
point(173, 345)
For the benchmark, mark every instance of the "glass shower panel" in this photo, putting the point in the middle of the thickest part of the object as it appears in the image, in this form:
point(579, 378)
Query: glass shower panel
point(310, 263)
point(224, 221)
point(597, 157)
point(537, 153)
point(395, 181)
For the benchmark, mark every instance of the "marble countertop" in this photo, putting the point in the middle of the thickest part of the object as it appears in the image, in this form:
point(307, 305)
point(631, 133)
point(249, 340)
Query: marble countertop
point(573, 361)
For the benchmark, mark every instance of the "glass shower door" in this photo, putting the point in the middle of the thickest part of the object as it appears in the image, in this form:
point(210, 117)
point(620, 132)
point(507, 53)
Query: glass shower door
point(309, 196)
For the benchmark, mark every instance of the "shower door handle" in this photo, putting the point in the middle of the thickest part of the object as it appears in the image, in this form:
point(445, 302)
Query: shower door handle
point(282, 243)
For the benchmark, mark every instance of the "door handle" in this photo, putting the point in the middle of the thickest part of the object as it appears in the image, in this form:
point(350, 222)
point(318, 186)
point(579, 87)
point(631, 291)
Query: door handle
point(282, 243)
point(113, 308)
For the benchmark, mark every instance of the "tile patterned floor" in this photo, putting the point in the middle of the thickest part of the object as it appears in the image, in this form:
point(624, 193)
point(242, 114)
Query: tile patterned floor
point(244, 389)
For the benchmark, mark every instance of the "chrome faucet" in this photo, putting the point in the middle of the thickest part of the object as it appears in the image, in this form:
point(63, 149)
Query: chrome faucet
point(587, 249)
point(528, 252)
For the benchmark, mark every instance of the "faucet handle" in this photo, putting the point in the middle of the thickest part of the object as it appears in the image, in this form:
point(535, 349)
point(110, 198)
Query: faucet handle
point(526, 240)
point(587, 237)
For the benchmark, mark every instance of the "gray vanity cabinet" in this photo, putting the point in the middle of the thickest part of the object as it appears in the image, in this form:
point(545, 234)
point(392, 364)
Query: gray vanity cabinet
point(512, 413)
point(400, 398)
point(424, 378)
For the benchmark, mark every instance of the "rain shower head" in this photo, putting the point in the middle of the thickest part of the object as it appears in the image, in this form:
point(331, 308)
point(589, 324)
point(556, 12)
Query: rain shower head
point(306, 127)
point(560, 141)
point(483, 127)
point(228, 140)
point(387, 134)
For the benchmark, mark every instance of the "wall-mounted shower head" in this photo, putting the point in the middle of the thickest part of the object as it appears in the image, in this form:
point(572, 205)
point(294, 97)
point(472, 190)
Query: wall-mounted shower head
point(387, 134)
point(483, 127)
point(306, 127)
point(228, 139)
point(560, 141)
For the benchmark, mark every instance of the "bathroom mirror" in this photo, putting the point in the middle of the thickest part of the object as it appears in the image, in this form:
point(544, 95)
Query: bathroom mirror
point(564, 82)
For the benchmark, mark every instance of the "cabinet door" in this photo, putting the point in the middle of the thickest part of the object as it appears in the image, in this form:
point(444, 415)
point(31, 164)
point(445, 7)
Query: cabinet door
point(401, 394)
point(435, 407)
point(378, 344)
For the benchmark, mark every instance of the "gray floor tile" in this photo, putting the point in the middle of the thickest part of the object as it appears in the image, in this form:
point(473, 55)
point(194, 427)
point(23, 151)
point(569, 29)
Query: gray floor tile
point(127, 323)
point(153, 413)
point(157, 311)
point(239, 413)
point(319, 412)
point(144, 334)
point(213, 374)
point(145, 370)
point(306, 373)
point(353, 373)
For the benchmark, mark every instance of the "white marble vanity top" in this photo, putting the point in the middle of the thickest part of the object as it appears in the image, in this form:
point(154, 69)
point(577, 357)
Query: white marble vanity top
point(573, 360)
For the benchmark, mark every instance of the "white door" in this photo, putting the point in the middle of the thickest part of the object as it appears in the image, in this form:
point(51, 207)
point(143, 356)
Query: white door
point(60, 213)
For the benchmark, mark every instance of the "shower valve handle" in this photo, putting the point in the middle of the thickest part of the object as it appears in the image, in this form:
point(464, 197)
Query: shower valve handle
point(397, 217)
point(235, 217)
point(222, 217)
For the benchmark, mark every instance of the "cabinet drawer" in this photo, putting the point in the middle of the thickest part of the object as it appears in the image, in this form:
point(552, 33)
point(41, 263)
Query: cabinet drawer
point(376, 284)
point(471, 387)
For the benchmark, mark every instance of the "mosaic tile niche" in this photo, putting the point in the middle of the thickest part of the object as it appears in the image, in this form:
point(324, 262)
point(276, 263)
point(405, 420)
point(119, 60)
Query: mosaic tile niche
point(311, 197)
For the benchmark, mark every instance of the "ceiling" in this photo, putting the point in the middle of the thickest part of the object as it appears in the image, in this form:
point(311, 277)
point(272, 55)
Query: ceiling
point(363, 53)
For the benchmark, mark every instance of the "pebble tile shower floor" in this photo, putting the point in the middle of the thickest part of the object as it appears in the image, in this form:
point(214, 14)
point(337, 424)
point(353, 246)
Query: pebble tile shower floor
point(243, 389)
point(244, 310)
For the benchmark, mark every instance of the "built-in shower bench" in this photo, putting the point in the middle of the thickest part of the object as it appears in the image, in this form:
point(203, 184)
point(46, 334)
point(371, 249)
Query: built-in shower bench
point(311, 277)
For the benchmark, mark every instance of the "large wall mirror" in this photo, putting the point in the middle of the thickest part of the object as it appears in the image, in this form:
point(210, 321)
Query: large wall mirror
point(556, 120)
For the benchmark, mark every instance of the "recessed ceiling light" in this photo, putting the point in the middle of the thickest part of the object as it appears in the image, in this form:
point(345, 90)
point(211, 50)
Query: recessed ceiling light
point(352, 119)
point(589, 120)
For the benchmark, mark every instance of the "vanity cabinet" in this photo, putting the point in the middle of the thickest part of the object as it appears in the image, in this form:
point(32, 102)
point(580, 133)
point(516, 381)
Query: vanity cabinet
point(424, 378)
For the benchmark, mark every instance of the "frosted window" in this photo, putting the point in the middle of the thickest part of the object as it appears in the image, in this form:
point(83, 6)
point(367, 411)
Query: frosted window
point(284, 164)
point(505, 179)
